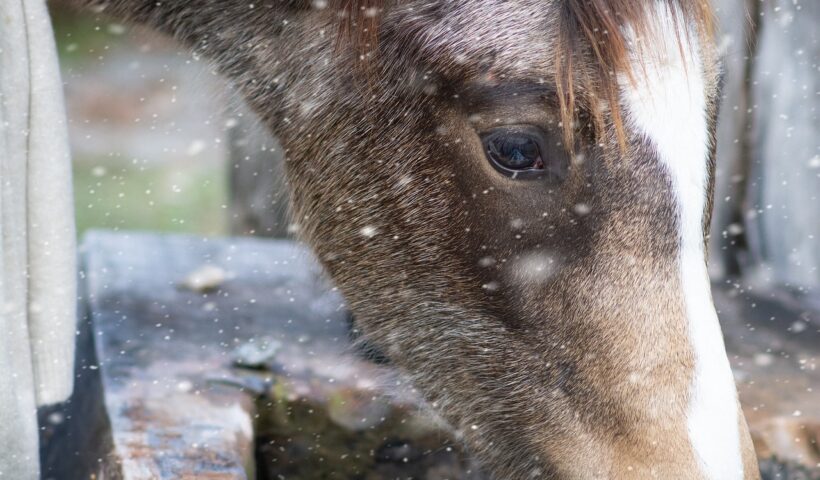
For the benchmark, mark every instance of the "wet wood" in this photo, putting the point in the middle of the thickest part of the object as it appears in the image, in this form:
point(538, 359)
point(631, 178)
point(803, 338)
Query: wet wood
point(177, 406)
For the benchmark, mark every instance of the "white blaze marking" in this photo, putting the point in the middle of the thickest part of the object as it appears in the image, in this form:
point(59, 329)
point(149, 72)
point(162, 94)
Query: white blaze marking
point(668, 106)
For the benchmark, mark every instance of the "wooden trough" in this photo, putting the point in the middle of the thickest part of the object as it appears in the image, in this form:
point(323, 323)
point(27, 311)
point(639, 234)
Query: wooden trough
point(232, 359)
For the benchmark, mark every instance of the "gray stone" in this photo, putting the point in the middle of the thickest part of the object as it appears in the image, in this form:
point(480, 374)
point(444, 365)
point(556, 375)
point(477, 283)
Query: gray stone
point(256, 353)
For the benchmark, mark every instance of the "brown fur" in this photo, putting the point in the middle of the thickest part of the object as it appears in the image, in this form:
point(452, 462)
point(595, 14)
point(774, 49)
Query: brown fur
point(591, 44)
point(579, 370)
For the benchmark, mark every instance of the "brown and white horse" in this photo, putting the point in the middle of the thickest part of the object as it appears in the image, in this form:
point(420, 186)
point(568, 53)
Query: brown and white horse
point(513, 196)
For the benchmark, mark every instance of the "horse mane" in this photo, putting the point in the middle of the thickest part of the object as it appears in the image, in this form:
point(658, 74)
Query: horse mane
point(593, 48)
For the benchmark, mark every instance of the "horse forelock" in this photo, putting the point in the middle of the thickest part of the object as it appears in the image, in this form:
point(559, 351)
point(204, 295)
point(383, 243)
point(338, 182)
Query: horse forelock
point(593, 41)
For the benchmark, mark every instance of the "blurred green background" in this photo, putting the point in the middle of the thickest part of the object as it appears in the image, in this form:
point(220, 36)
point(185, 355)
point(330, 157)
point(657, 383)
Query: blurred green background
point(146, 125)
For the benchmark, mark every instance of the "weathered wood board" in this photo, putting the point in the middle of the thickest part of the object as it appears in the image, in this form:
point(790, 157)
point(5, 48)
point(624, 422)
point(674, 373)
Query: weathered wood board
point(165, 340)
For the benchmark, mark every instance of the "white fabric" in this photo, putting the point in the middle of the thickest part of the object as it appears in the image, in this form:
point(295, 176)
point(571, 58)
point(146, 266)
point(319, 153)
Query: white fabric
point(37, 238)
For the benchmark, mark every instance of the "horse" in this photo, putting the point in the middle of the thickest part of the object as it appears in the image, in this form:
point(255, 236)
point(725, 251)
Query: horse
point(514, 199)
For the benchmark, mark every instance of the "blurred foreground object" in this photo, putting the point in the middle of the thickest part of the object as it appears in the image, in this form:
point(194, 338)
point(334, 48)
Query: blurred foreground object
point(37, 253)
point(260, 376)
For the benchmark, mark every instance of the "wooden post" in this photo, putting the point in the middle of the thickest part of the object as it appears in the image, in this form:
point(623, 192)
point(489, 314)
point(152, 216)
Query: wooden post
point(783, 192)
point(258, 193)
point(766, 223)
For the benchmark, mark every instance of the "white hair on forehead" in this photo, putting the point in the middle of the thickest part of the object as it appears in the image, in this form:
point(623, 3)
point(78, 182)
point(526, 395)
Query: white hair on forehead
point(667, 105)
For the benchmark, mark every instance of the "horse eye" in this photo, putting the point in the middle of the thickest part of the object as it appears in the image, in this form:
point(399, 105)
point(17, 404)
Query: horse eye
point(514, 152)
